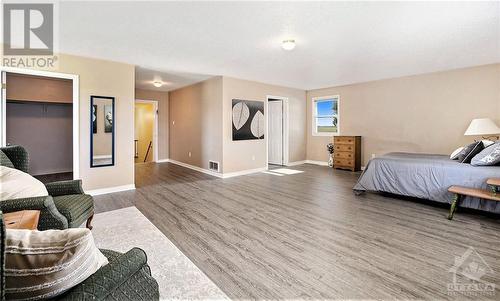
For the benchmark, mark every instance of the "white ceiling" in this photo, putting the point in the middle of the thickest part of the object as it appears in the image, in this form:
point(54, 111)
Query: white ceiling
point(144, 79)
point(337, 42)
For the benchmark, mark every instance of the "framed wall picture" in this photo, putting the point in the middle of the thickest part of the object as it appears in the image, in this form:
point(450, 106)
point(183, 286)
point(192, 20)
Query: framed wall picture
point(94, 119)
point(248, 119)
point(108, 118)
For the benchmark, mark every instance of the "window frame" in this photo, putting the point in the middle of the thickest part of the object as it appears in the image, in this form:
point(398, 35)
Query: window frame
point(314, 115)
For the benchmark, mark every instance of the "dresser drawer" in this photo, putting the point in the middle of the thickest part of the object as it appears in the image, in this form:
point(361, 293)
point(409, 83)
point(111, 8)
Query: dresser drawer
point(344, 140)
point(343, 147)
point(343, 162)
point(344, 155)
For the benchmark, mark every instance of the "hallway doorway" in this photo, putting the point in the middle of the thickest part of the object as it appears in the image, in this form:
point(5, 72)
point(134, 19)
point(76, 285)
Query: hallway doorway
point(146, 131)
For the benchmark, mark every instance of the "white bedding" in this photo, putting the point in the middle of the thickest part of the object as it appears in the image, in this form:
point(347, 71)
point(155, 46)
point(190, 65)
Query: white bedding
point(15, 184)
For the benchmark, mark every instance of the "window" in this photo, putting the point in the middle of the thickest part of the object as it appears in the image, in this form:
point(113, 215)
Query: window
point(325, 116)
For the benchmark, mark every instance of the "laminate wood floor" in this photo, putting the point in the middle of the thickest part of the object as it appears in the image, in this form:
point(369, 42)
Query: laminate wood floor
point(306, 235)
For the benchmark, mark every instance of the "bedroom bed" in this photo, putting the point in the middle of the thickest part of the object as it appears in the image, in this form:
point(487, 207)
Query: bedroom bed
point(426, 176)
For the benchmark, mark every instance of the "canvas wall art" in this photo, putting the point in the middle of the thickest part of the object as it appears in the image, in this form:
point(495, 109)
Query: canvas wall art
point(94, 119)
point(248, 119)
point(108, 118)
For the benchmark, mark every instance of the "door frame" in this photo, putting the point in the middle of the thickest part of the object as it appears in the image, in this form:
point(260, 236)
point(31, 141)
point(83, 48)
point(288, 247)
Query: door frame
point(155, 125)
point(286, 126)
point(76, 108)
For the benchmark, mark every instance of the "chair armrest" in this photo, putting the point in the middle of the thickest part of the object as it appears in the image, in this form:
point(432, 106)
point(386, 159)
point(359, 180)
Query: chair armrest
point(65, 187)
point(109, 278)
point(32, 203)
point(50, 217)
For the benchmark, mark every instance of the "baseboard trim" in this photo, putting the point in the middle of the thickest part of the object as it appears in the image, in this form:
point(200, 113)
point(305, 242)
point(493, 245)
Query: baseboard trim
point(217, 174)
point(296, 163)
point(243, 172)
point(203, 170)
point(162, 160)
point(110, 189)
point(51, 172)
point(102, 157)
point(322, 163)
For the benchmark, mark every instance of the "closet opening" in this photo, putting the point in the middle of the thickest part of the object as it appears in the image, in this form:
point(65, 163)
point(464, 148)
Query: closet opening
point(39, 116)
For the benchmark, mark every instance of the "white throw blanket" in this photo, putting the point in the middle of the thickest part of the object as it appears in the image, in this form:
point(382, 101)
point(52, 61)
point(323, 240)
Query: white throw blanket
point(15, 184)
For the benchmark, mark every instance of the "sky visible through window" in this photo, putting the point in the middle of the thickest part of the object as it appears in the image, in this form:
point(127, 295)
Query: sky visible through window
point(325, 108)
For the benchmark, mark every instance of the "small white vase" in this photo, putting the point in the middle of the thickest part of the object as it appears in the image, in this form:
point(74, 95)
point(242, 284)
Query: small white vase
point(330, 160)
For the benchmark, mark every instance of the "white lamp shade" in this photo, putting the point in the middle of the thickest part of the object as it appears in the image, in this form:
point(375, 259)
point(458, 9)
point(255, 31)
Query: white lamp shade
point(481, 127)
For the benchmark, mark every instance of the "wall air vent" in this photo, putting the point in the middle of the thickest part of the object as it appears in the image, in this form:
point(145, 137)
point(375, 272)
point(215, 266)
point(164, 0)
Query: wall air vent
point(214, 166)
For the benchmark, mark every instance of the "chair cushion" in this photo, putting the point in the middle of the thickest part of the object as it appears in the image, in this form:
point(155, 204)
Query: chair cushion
point(44, 264)
point(77, 208)
point(5, 161)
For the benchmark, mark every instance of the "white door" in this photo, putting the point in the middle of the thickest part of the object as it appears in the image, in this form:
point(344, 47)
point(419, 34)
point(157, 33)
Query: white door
point(275, 139)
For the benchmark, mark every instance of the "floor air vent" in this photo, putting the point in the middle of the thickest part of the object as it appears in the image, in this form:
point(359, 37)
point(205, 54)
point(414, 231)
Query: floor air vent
point(212, 165)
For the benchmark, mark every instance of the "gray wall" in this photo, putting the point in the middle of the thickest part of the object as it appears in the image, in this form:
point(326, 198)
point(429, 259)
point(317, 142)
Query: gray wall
point(46, 131)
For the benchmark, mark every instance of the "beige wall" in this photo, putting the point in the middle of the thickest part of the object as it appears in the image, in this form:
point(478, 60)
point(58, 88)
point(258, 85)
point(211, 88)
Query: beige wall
point(424, 113)
point(195, 118)
point(163, 126)
point(251, 154)
point(105, 78)
point(144, 123)
point(203, 115)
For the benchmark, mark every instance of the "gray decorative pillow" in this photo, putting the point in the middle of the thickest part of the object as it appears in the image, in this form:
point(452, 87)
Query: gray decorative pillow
point(44, 264)
point(470, 151)
point(488, 156)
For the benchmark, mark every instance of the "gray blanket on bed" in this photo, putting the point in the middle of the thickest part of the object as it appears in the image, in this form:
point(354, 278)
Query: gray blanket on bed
point(427, 177)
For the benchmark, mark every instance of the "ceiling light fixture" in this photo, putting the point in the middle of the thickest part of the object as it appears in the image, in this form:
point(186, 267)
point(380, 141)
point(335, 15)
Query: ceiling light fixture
point(288, 44)
point(157, 84)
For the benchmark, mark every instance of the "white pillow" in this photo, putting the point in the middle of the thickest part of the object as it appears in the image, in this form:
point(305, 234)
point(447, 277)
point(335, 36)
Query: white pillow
point(15, 184)
point(44, 264)
point(454, 155)
point(487, 143)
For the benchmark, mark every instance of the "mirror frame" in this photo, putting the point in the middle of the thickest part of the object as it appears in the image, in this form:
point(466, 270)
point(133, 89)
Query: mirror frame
point(112, 132)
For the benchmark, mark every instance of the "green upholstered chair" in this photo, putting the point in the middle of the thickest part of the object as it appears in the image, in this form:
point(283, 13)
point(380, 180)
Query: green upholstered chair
point(67, 206)
point(126, 277)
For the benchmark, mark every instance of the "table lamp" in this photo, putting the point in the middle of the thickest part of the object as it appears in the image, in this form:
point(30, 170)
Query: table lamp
point(484, 127)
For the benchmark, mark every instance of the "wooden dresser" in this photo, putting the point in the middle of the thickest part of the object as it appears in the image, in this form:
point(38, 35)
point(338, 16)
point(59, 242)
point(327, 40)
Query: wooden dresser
point(347, 153)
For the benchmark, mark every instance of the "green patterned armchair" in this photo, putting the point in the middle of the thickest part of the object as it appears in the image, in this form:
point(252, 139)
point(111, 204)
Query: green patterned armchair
point(126, 277)
point(67, 206)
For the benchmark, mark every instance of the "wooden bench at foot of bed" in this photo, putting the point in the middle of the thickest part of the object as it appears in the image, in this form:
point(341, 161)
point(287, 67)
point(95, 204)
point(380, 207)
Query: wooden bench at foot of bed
point(460, 191)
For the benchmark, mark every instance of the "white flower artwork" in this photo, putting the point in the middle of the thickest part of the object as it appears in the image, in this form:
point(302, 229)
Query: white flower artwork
point(257, 125)
point(241, 113)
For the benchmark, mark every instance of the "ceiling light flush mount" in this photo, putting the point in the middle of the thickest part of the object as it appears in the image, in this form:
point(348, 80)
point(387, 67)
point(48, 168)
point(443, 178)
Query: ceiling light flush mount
point(288, 44)
point(157, 84)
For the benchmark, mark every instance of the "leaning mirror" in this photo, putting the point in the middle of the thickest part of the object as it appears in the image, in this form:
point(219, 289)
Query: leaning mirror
point(102, 131)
